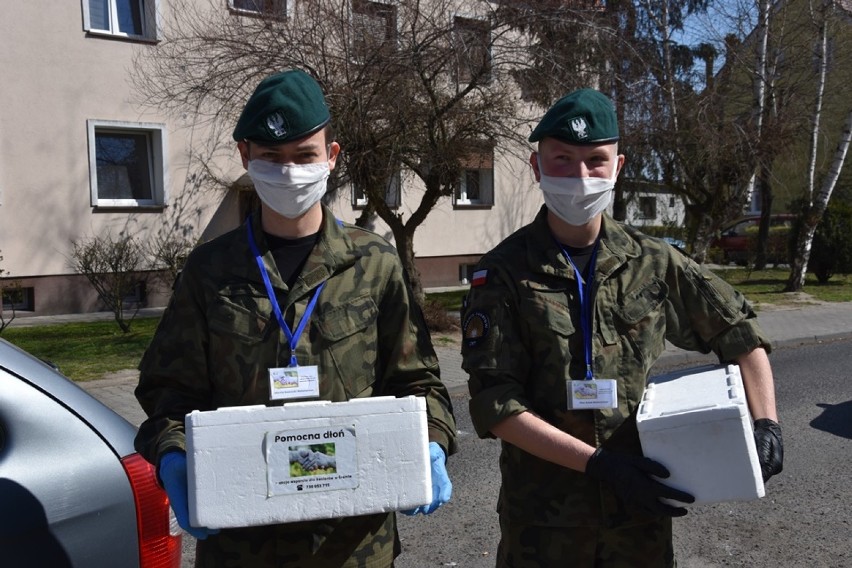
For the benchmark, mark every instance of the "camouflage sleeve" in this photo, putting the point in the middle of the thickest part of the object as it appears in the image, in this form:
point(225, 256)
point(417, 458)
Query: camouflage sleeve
point(408, 362)
point(493, 352)
point(173, 371)
point(708, 314)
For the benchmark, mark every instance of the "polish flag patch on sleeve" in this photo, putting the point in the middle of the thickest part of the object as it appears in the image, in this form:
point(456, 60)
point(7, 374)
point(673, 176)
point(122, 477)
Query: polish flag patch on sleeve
point(479, 278)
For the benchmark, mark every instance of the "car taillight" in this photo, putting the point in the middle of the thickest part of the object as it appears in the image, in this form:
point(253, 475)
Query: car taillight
point(159, 546)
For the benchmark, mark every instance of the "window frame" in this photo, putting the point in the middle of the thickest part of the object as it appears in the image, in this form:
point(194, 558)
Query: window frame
point(391, 40)
point(393, 188)
point(279, 9)
point(470, 24)
point(157, 162)
point(641, 207)
point(480, 156)
point(149, 11)
point(17, 299)
point(466, 270)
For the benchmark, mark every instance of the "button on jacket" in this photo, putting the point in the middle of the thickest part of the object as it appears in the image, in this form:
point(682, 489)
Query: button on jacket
point(523, 340)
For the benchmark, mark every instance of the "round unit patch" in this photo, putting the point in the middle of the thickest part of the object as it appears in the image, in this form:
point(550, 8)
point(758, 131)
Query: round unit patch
point(475, 328)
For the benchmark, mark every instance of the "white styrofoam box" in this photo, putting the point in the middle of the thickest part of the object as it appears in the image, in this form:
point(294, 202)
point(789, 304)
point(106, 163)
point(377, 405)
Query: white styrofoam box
point(240, 473)
point(696, 422)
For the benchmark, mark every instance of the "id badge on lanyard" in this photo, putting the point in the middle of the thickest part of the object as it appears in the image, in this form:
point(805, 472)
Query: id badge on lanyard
point(286, 383)
point(594, 393)
point(295, 381)
point(590, 393)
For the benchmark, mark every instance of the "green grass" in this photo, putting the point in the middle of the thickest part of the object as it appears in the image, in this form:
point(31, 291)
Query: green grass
point(86, 351)
point(766, 286)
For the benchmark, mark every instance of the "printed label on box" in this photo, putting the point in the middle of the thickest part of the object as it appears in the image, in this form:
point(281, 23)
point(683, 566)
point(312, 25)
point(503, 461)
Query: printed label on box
point(315, 459)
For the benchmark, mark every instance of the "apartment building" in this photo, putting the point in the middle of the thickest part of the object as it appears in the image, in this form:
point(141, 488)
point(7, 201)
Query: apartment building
point(82, 156)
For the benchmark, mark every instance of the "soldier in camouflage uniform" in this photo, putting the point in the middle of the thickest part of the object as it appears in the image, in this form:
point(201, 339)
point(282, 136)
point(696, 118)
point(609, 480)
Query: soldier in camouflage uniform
point(220, 335)
point(575, 301)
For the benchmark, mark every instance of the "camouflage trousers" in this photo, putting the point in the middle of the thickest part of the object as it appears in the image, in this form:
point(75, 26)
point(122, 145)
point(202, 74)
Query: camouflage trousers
point(368, 541)
point(532, 546)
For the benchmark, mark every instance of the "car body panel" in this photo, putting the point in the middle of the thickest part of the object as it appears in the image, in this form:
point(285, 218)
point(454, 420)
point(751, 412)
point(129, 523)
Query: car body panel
point(66, 499)
point(733, 240)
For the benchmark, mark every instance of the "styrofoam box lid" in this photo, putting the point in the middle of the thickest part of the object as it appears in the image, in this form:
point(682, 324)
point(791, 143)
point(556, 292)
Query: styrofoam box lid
point(304, 410)
point(689, 396)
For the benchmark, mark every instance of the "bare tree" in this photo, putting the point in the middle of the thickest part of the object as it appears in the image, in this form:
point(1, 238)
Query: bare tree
point(9, 290)
point(115, 267)
point(412, 86)
point(675, 130)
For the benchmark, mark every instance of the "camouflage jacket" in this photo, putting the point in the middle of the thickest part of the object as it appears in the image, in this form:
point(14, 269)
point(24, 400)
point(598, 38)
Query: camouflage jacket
point(522, 340)
point(219, 336)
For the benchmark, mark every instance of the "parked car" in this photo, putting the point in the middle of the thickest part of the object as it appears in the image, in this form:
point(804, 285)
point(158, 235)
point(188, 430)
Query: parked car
point(734, 240)
point(73, 492)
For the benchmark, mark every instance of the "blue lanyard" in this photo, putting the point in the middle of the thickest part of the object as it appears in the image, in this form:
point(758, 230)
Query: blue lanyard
point(292, 338)
point(585, 293)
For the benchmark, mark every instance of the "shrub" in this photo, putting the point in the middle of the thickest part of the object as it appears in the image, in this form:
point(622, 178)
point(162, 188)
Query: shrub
point(168, 254)
point(438, 319)
point(113, 266)
point(664, 231)
point(831, 250)
point(777, 249)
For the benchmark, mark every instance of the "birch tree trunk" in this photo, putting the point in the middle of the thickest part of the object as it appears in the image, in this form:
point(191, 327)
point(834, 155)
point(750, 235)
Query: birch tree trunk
point(799, 267)
point(759, 88)
point(816, 207)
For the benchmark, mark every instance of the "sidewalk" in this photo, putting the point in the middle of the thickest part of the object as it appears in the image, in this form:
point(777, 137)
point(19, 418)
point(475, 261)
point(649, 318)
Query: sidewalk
point(786, 326)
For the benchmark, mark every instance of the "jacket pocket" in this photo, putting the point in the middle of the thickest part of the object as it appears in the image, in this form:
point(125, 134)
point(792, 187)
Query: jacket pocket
point(639, 303)
point(239, 318)
point(349, 335)
point(640, 319)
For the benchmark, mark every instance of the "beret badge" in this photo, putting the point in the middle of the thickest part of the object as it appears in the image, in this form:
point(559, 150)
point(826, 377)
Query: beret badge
point(580, 127)
point(276, 124)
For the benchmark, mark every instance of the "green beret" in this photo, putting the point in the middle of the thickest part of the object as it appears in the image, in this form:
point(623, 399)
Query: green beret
point(586, 116)
point(284, 107)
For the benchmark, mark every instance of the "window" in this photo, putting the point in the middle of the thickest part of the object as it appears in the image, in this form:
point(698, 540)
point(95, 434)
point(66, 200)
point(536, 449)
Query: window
point(648, 207)
point(472, 39)
point(138, 296)
point(373, 27)
point(476, 184)
point(466, 273)
point(392, 193)
point(275, 8)
point(16, 298)
point(135, 19)
point(126, 164)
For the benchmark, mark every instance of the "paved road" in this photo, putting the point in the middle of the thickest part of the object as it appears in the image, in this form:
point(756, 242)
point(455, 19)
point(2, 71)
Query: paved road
point(787, 326)
point(802, 522)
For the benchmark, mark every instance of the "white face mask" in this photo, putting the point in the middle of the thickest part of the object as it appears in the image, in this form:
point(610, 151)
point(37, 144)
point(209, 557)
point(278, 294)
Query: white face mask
point(576, 200)
point(289, 189)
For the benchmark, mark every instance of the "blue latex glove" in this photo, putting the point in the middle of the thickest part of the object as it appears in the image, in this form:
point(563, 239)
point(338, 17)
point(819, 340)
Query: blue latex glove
point(173, 475)
point(442, 487)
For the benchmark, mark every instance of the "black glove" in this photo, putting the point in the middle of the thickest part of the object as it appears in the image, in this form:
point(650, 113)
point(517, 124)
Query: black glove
point(770, 448)
point(630, 477)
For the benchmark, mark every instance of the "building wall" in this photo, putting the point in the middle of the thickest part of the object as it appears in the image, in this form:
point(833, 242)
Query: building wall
point(58, 77)
point(454, 236)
